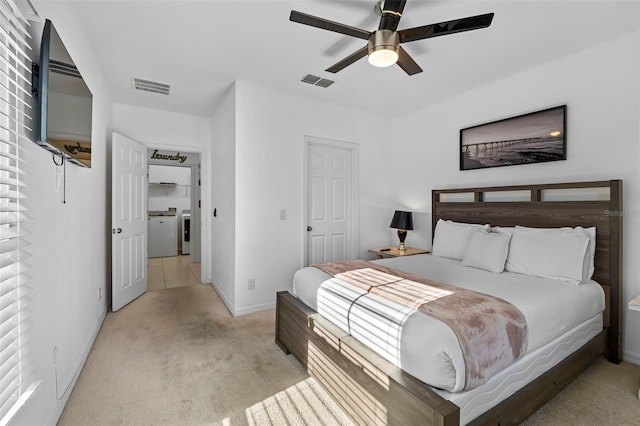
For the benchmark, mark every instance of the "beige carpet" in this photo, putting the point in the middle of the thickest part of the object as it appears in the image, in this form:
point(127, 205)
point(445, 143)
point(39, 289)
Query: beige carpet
point(176, 357)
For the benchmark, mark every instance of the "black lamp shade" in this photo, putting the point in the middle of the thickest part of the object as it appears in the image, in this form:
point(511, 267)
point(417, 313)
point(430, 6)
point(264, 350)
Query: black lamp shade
point(402, 220)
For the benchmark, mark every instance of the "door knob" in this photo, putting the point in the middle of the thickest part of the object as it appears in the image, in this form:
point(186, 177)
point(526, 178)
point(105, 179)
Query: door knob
point(119, 230)
point(309, 229)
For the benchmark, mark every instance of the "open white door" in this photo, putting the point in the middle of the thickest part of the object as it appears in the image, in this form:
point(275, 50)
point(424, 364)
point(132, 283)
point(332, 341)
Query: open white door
point(129, 221)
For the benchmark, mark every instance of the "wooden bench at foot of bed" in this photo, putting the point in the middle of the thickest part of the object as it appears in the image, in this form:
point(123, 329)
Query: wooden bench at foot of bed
point(367, 387)
point(371, 390)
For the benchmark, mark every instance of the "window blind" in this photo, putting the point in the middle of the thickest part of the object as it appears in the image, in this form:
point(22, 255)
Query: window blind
point(15, 122)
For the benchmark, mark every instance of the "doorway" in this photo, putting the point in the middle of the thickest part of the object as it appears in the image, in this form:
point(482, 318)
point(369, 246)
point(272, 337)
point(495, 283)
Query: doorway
point(130, 218)
point(169, 233)
point(174, 233)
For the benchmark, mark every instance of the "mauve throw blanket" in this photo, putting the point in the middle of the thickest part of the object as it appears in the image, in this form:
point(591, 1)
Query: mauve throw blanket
point(492, 332)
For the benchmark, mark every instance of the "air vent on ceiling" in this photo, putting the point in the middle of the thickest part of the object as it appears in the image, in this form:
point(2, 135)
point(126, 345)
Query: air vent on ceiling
point(311, 79)
point(325, 83)
point(63, 68)
point(317, 81)
point(151, 86)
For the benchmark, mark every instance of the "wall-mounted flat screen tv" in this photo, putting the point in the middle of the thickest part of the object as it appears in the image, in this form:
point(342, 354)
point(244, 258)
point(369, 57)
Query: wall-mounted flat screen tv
point(64, 102)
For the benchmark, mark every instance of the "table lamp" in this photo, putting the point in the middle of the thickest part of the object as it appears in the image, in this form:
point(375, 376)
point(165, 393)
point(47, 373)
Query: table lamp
point(403, 222)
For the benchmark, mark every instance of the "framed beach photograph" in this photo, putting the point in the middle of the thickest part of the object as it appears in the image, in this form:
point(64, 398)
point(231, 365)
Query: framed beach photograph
point(536, 137)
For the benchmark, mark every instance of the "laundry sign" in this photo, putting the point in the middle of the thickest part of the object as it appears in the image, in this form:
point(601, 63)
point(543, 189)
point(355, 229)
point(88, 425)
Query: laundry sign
point(157, 156)
point(80, 150)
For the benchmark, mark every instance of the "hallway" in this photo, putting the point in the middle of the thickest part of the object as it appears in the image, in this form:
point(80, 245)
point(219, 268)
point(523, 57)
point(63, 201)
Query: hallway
point(171, 272)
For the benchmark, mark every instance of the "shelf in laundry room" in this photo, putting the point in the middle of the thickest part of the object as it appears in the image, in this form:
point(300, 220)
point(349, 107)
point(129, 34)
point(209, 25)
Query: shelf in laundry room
point(170, 186)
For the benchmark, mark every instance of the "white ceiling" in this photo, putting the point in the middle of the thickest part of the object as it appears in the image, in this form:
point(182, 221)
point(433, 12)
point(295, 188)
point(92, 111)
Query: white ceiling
point(201, 47)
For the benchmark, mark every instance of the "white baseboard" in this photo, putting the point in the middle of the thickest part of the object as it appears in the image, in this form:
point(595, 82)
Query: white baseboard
point(631, 357)
point(223, 296)
point(245, 310)
point(253, 308)
point(55, 416)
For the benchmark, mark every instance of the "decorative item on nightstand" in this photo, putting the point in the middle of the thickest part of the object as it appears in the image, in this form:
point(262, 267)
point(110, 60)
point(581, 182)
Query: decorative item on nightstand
point(403, 222)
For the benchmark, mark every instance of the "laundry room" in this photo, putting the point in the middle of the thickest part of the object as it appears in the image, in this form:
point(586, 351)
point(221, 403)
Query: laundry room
point(173, 236)
point(169, 210)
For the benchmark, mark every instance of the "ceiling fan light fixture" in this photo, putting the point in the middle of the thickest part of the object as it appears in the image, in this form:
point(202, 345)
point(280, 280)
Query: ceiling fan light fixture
point(383, 58)
point(383, 48)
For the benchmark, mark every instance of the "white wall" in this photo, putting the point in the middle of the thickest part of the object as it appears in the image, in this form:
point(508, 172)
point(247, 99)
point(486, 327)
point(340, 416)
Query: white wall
point(600, 87)
point(173, 131)
point(269, 147)
point(162, 128)
point(223, 229)
point(68, 243)
point(161, 197)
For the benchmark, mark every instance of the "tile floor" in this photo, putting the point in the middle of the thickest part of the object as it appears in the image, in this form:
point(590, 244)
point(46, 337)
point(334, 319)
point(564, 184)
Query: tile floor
point(169, 272)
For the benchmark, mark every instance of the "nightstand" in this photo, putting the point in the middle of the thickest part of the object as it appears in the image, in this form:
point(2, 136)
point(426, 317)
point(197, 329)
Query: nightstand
point(385, 252)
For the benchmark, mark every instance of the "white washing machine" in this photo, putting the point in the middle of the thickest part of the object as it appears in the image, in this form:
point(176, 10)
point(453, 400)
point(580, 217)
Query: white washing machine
point(186, 231)
point(163, 235)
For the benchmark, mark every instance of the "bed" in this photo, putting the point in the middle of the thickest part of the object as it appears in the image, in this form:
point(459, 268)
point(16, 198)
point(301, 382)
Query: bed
point(372, 390)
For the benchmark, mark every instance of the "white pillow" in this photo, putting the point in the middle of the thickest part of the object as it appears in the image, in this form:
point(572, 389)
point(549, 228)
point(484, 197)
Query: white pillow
point(548, 254)
point(591, 253)
point(451, 238)
point(487, 250)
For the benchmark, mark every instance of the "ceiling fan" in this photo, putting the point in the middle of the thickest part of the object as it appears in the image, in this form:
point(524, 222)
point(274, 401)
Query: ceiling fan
point(383, 47)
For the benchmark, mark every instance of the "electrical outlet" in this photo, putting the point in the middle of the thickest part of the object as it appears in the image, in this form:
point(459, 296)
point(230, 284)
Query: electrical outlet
point(252, 283)
point(283, 214)
point(99, 293)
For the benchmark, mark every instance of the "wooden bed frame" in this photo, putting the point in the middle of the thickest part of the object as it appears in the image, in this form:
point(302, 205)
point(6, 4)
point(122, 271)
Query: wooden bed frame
point(373, 391)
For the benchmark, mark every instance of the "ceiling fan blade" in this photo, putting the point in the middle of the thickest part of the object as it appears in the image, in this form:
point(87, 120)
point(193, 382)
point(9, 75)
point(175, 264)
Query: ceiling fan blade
point(391, 14)
point(358, 54)
point(445, 28)
point(325, 24)
point(406, 62)
point(344, 42)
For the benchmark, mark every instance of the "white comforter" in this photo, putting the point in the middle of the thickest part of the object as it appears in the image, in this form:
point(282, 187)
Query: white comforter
point(425, 347)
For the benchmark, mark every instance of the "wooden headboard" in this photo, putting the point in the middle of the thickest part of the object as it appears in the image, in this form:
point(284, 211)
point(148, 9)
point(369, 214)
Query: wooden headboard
point(551, 206)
